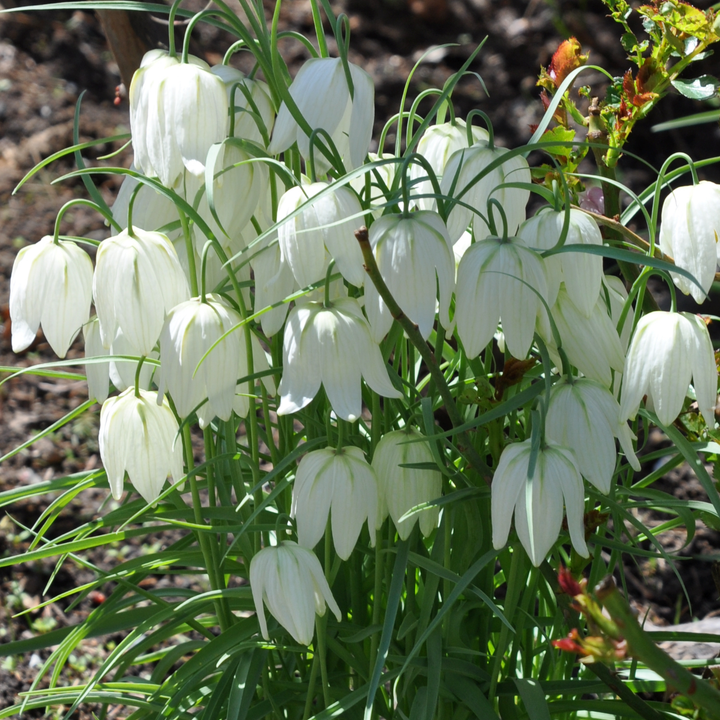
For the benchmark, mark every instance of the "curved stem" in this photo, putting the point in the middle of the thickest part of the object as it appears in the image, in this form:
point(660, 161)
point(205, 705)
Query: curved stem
point(411, 330)
point(88, 203)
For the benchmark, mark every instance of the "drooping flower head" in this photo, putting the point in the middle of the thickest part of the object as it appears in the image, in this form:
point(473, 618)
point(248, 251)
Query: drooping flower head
point(252, 107)
point(333, 346)
point(437, 146)
point(141, 437)
point(537, 499)
point(585, 416)
point(191, 330)
point(177, 111)
point(499, 280)
point(323, 230)
point(138, 279)
point(461, 181)
point(50, 285)
point(415, 260)
point(341, 480)
point(581, 272)
point(289, 579)
point(320, 91)
point(689, 233)
point(403, 487)
point(667, 352)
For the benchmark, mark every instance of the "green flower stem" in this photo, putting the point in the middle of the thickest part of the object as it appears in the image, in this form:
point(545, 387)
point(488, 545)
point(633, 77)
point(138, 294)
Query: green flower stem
point(87, 203)
point(321, 625)
point(311, 687)
point(411, 330)
point(377, 599)
point(641, 646)
point(225, 616)
point(269, 439)
point(190, 249)
point(137, 376)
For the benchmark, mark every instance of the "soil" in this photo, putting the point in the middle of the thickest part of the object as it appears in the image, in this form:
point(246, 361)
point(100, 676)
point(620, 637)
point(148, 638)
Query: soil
point(47, 59)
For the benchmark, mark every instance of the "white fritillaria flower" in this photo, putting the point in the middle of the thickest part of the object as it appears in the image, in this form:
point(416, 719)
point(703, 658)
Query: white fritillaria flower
point(591, 343)
point(437, 145)
point(139, 436)
point(667, 351)
point(499, 280)
point(338, 479)
point(537, 501)
point(581, 272)
point(177, 111)
point(138, 279)
point(250, 114)
point(460, 172)
point(333, 346)
point(50, 285)
point(403, 488)
point(324, 229)
point(585, 416)
point(411, 251)
point(689, 234)
point(191, 329)
point(321, 93)
point(290, 580)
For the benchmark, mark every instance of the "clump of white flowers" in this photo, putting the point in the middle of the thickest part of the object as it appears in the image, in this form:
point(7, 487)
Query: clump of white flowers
point(258, 249)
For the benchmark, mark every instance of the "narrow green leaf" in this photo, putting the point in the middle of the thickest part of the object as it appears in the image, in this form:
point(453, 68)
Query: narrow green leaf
point(391, 608)
point(533, 697)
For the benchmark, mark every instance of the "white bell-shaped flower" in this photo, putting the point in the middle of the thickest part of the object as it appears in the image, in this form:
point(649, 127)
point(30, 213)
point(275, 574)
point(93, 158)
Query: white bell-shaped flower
point(141, 437)
point(138, 279)
point(403, 487)
point(411, 251)
point(177, 111)
point(324, 229)
point(581, 272)
point(537, 499)
point(333, 346)
point(321, 93)
point(142, 95)
point(50, 285)
point(459, 181)
point(437, 145)
point(689, 232)
point(344, 481)
point(499, 280)
point(585, 416)
point(591, 343)
point(253, 108)
point(190, 331)
point(667, 352)
point(290, 581)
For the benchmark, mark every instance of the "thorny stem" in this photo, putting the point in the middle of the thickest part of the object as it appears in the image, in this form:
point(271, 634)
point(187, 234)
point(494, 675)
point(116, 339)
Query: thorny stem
point(411, 330)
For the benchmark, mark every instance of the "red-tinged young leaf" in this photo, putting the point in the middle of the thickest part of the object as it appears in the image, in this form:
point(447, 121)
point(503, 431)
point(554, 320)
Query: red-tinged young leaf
point(567, 58)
